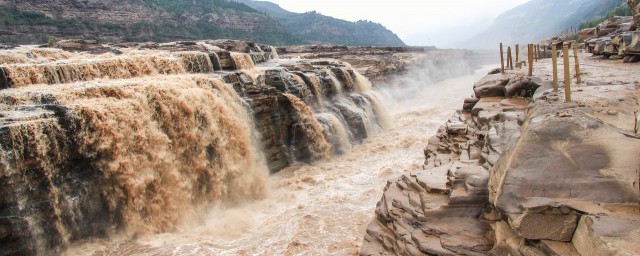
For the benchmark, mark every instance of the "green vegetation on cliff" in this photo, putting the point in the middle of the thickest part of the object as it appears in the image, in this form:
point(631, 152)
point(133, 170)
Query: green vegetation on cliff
point(621, 10)
point(36, 21)
point(315, 28)
point(185, 20)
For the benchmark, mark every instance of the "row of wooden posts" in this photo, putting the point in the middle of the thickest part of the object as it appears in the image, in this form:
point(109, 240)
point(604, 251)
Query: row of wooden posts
point(533, 54)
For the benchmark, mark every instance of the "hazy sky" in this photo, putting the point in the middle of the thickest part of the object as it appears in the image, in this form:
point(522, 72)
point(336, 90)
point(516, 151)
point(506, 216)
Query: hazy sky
point(443, 23)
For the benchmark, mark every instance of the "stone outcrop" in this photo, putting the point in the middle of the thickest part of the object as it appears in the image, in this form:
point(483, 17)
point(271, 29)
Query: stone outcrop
point(614, 38)
point(444, 208)
point(523, 176)
point(104, 138)
point(634, 5)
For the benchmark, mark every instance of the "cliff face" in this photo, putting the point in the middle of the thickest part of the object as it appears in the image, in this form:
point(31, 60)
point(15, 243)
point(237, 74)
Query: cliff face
point(157, 20)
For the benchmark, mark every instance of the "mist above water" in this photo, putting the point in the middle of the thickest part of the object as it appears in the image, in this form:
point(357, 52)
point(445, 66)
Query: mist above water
point(420, 87)
point(322, 208)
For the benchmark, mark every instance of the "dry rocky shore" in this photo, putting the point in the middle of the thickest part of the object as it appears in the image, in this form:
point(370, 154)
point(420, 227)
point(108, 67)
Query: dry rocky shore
point(520, 172)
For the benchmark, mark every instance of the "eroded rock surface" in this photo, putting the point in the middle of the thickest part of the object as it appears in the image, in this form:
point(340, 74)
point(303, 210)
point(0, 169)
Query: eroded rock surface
point(524, 176)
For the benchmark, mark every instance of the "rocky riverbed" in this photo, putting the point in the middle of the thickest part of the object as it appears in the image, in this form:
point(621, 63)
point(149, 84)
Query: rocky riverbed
point(524, 173)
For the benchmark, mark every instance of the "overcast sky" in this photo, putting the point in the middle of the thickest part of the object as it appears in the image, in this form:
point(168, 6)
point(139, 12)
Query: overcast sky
point(443, 23)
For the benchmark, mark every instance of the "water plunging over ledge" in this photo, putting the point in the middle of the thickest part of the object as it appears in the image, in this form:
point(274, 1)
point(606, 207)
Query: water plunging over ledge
point(320, 208)
point(141, 143)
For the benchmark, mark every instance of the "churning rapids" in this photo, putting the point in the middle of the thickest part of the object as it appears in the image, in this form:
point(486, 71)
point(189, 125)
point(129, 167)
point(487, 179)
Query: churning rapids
point(167, 161)
point(315, 209)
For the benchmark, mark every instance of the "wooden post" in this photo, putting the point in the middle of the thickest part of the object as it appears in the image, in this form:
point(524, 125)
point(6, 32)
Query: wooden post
point(567, 77)
point(509, 58)
point(575, 55)
point(517, 53)
point(530, 58)
point(554, 56)
point(501, 59)
point(544, 51)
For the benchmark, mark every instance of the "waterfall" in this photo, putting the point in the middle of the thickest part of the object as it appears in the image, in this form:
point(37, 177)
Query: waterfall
point(336, 85)
point(107, 68)
point(93, 145)
point(242, 60)
point(318, 143)
point(336, 129)
point(164, 148)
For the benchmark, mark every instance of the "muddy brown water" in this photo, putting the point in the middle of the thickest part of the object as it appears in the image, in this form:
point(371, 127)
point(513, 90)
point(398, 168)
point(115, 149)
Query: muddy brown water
point(311, 209)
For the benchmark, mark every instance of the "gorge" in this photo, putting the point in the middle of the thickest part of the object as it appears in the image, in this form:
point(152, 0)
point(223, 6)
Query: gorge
point(193, 145)
point(137, 138)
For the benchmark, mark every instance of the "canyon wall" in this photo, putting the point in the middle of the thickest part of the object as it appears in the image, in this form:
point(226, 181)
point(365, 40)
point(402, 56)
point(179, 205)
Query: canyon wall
point(133, 138)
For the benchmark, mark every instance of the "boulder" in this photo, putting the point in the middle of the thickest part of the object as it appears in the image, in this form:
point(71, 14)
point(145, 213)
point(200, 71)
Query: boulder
point(633, 48)
point(522, 86)
point(469, 103)
point(491, 86)
point(586, 34)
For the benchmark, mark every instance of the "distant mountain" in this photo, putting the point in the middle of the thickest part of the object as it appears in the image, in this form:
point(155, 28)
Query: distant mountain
point(539, 19)
point(315, 28)
point(35, 21)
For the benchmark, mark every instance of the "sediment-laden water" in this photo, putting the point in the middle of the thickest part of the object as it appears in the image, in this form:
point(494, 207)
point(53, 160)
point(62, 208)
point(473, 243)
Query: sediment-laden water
point(320, 208)
point(144, 142)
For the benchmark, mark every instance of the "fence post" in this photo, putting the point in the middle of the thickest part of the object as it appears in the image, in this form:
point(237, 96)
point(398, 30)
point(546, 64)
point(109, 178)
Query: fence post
point(530, 58)
point(567, 77)
point(501, 59)
point(509, 58)
point(554, 56)
point(517, 54)
point(575, 55)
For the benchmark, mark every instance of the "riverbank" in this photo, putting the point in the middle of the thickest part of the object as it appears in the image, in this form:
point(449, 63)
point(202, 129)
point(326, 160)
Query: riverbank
point(525, 176)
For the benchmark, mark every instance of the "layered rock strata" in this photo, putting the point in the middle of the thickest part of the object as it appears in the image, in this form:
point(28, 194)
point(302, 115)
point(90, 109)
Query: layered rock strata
point(523, 176)
point(614, 38)
point(100, 139)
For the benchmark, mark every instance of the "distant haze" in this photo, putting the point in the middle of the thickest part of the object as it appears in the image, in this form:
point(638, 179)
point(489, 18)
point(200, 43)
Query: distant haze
point(428, 22)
